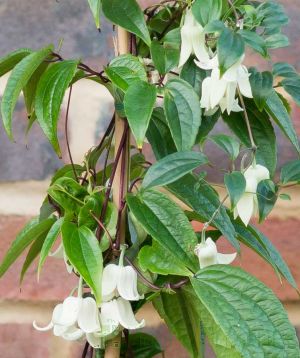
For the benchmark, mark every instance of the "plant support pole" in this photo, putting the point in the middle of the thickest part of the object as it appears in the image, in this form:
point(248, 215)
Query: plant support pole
point(120, 183)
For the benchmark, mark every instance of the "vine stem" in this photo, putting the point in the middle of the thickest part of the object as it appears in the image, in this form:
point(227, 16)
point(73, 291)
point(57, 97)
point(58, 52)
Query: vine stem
point(234, 10)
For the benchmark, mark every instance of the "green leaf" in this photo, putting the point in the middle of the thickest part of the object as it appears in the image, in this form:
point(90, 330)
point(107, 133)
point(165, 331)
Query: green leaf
point(17, 81)
point(292, 87)
point(290, 172)
point(194, 75)
point(277, 41)
point(142, 345)
point(204, 201)
point(206, 11)
point(157, 260)
point(249, 315)
point(95, 6)
point(180, 313)
point(256, 42)
point(261, 85)
point(83, 250)
point(231, 47)
point(207, 125)
point(128, 15)
point(9, 61)
point(172, 167)
point(183, 113)
point(266, 197)
point(49, 242)
point(67, 171)
point(139, 101)
point(156, 213)
point(49, 96)
point(285, 196)
point(263, 133)
point(30, 232)
point(230, 145)
point(236, 185)
point(278, 112)
point(283, 69)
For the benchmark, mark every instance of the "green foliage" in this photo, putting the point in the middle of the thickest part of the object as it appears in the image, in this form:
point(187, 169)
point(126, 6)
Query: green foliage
point(142, 345)
point(267, 197)
point(95, 6)
point(83, 250)
point(228, 144)
point(252, 319)
point(236, 185)
point(9, 61)
point(206, 11)
point(290, 172)
point(193, 75)
point(256, 42)
point(262, 86)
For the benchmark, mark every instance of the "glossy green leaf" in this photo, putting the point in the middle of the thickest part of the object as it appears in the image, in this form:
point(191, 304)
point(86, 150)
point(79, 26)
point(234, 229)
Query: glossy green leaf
point(180, 313)
point(207, 125)
point(157, 260)
point(156, 213)
point(49, 241)
point(172, 167)
point(292, 87)
point(17, 81)
point(49, 96)
point(256, 42)
point(95, 6)
point(261, 85)
point(278, 112)
point(139, 102)
point(142, 345)
point(228, 144)
point(67, 171)
point(30, 233)
point(9, 61)
point(183, 112)
point(251, 318)
point(194, 75)
point(83, 250)
point(266, 197)
point(128, 15)
point(206, 11)
point(236, 185)
point(231, 47)
point(290, 172)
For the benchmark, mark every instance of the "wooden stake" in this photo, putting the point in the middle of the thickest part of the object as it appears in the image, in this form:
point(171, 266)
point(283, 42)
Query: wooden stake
point(113, 346)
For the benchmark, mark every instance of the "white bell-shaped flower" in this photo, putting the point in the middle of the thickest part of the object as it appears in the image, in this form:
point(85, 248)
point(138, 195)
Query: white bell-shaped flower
point(119, 280)
point(192, 40)
point(220, 90)
point(247, 205)
point(208, 254)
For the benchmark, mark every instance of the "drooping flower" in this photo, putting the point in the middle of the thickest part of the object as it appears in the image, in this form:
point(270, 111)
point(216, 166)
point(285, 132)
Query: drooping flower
point(247, 205)
point(192, 40)
point(220, 90)
point(208, 254)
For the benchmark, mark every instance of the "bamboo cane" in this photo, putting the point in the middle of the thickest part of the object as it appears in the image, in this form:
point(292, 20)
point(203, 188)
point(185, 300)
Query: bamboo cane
point(113, 346)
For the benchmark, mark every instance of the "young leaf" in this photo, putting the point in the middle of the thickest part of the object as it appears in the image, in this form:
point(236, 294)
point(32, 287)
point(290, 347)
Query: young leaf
point(183, 113)
point(83, 250)
point(278, 112)
point(95, 6)
point(231, 47)
point(128, 15)
point(172, 167)
point(266, 197)
point(258, 314)
point(49, 242)
point(180, 313)
point(236, 185)
point(206, 11)
point(9, 61)
point(49, 96)
point(290, 172)
point(261, 85)
point(139, 101)
point(17, 81)
point(230, 145)
point(156, 213)
point(30, 232)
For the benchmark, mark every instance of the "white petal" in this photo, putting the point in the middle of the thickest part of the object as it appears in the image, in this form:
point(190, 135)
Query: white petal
point(189, 19)
point(67, 313)
point(42, 329)
point(73, 334)
point(58, 253)
point(198, 43)
point(126, 316)
point(236, 107)
point(230, 96)
point(225, 259)
point(218, 89)
point(245, 207)
point(223, 104)
point(231, 75)
point(127, 284)
point(186, 45)
point(208, 65)
point(95, 340)
point(207, 253)
point(205, 98)
point(244, 83)
point(109, 281)
point(109, 318)
point(262, 173)
point(58, 330)
point(88, 316)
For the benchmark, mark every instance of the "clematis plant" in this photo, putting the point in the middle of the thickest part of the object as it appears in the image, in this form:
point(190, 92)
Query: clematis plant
point(125, 215)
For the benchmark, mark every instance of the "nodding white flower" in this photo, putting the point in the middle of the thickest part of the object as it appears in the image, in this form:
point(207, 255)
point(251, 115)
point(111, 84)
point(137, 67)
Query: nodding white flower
point(247, 205)
point(220, 90)
point(208, 254)
point(119, 280)
point(59, 253)
point(192, 40)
